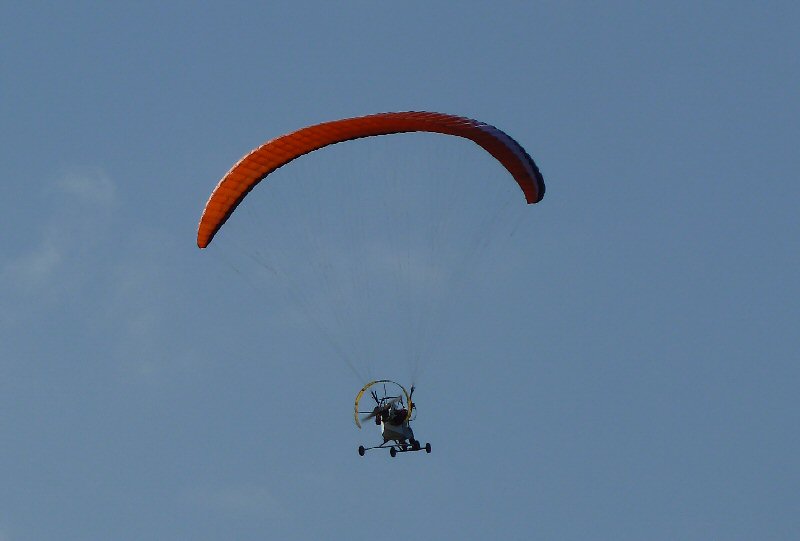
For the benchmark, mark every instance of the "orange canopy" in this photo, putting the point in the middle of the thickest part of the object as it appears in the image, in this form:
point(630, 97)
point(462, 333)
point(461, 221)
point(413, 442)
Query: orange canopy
point(273, 154)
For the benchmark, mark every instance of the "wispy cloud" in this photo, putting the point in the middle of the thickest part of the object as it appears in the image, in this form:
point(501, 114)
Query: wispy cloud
point(92, 186)
point(76, 213)
point(33, 268)
point(107, 280)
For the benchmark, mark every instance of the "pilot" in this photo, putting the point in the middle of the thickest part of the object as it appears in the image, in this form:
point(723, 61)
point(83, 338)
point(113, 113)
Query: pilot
point(391, 417)
point(398, 414)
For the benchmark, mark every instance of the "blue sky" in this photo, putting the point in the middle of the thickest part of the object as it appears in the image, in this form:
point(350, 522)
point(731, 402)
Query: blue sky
point(629, 369)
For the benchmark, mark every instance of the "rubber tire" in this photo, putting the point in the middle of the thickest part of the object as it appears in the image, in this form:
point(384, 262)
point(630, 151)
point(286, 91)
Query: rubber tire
point(427, 447)
point(415, 445)
point(361, 450)
point(393, 452)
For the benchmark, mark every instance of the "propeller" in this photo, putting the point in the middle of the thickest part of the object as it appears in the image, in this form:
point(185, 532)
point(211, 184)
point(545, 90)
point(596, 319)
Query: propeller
point(380, 409)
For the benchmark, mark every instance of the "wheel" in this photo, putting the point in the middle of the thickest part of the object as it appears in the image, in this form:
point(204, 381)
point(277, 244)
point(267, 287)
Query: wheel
point(378, 419)
point(415, 445)
point(427, 447)
point(361, 450)
point(393, 452)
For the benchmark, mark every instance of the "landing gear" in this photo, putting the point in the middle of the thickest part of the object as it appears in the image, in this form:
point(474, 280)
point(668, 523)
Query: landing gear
point(397, 447)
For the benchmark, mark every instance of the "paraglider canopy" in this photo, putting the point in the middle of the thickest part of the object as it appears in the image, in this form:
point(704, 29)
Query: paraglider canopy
point(262, 161)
